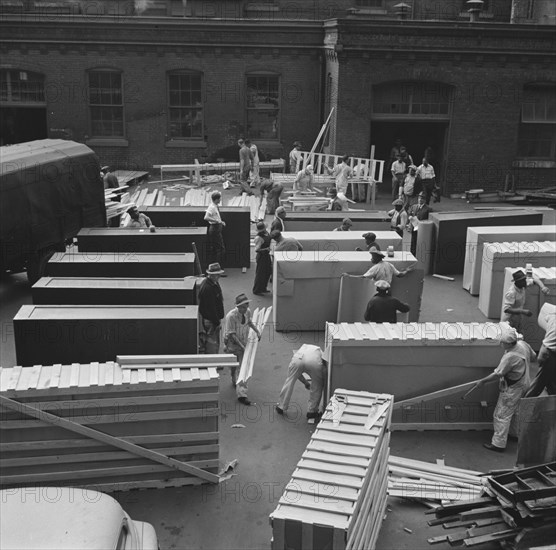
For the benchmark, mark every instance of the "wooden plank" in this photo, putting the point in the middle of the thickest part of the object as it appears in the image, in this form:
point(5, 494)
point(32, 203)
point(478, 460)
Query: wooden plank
point(113, 441)
point(161, 360)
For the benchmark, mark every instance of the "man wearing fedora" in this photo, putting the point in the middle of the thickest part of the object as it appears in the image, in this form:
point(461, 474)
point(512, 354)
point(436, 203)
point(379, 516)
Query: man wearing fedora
point(236, 335)
point(417, 213)
point(381, 270)
point(211, 310)
point(513, 309)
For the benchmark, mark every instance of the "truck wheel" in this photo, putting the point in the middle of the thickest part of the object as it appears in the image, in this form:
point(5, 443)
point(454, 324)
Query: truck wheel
point(36, 264)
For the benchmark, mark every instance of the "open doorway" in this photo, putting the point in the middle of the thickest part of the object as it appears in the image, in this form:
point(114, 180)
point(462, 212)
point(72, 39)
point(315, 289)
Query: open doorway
point(21, 124)
point(416, 136)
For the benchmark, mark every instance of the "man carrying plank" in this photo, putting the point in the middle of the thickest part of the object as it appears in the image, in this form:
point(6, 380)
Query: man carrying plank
point(307, 359)
point(236, 334)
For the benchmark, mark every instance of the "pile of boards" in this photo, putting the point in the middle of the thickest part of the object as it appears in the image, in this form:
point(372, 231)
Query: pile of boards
point(337, 495)
point(177, 195)
point(141, 422)
point(518, 510)
point(428, 483)
point(257, 207)
point(115, 208)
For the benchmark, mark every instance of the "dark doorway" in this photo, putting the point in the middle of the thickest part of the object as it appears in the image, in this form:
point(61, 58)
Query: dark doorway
point(21, 124)
point(416, 136)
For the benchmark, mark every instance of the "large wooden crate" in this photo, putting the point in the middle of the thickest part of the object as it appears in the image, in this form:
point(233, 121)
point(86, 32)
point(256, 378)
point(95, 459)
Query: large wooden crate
point(327, 221)
point(337, 495)
point(478, 236)
point(172, 411)
point(330, 241)
point(121, 239)
point(498, 256)
point(95, 291)
point(236, 234)
point(81, 334)
point(306, 285)
point(535, 299)
point(413, 361)
point(125, 264)
point(448, 249)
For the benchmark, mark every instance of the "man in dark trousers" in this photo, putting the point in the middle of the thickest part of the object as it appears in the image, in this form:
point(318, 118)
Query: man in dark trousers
point(211, 311)
point(382, 307)
point(417, 213)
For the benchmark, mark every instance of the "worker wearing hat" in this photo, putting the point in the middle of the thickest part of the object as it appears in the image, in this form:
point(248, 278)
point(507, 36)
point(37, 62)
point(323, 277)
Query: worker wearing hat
point(237, 324)
point(382, 307)
point(381, 270)
point(513, 308)
point(370, 241)
point(338, 201)
point(346, 225)
point(307, 359)
point(211, 310)
point(512, 374)
point(138, 219)
point(304, 181)
point(409, 188)
point(295, 157)
point(398, 217)
point(278, 221)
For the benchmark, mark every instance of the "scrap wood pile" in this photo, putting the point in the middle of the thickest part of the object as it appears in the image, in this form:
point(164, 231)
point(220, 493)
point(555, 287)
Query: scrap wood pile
point(175, 195)
point(517, 510)
point(113, 207)
point(428, 483)
point(257, 207)
point(337, 495)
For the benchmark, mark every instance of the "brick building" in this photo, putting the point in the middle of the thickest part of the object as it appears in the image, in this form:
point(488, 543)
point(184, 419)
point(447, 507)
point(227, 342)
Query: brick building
point(163, 81)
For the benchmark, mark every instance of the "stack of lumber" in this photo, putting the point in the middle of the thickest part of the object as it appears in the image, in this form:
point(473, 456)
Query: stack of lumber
point(518, 511)
point(337, 495)
point(257, 207)
point(428, 482)
point(260, 317)
point(178, 195)
point(306, 202)
point(115, 208)
point(153, 423)
point(287, 179)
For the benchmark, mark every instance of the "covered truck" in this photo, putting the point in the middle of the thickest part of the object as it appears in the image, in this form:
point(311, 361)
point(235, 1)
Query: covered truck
point(49, 190)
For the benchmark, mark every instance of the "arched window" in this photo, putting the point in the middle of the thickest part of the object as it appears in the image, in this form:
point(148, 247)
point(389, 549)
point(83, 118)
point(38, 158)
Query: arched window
point(106, 103)
point(263, 105)
point(537, 128)
point(412, 100)
point(185, 105)
point(21, 87)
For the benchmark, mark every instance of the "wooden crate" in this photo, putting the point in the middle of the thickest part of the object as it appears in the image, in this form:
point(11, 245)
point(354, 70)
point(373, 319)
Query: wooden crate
point(95, 291)
point(125, 264)
point(67, 334)
point(414, 361)
point(478, 236)
point(236, 234)
point(535, 299)
point(337, 494)
point(171, 411)
point(331, 241)
point(451, 233)
point(368, 220)
point(314, 278)
point(498, 256)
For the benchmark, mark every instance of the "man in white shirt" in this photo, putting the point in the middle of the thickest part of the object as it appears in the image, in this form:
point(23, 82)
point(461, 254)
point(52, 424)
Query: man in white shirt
point(254, 174)
point(304, 180)
point(295, 157)
point(342, 172)
point(215, 242)
point(398, 175)
point(380, 270)
point(428, 179)
point(138, 219)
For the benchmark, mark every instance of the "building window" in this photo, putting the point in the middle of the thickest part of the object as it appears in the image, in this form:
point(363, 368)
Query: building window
point(428, 99)
point(185, 105)
point(21, 87)
point(106, 103)
point(263, 106)
point(537, 129)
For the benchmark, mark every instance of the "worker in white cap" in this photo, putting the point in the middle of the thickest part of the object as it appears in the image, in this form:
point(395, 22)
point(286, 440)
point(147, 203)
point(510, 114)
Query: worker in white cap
point(304, 180)
point(237, 324)
point(307, 359)
point(512, 374)
point(382, 307)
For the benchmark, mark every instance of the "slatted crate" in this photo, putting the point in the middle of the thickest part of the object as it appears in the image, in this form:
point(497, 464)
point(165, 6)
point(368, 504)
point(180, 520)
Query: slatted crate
point(114, 291)
point(498, 256)
point(424, 365)
point(124, 264)
point(173, 411)
point(337, 494)
point(478, 236)
point(83, 333)
point(331, 241)
point(368, 220)
point(533, 334)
